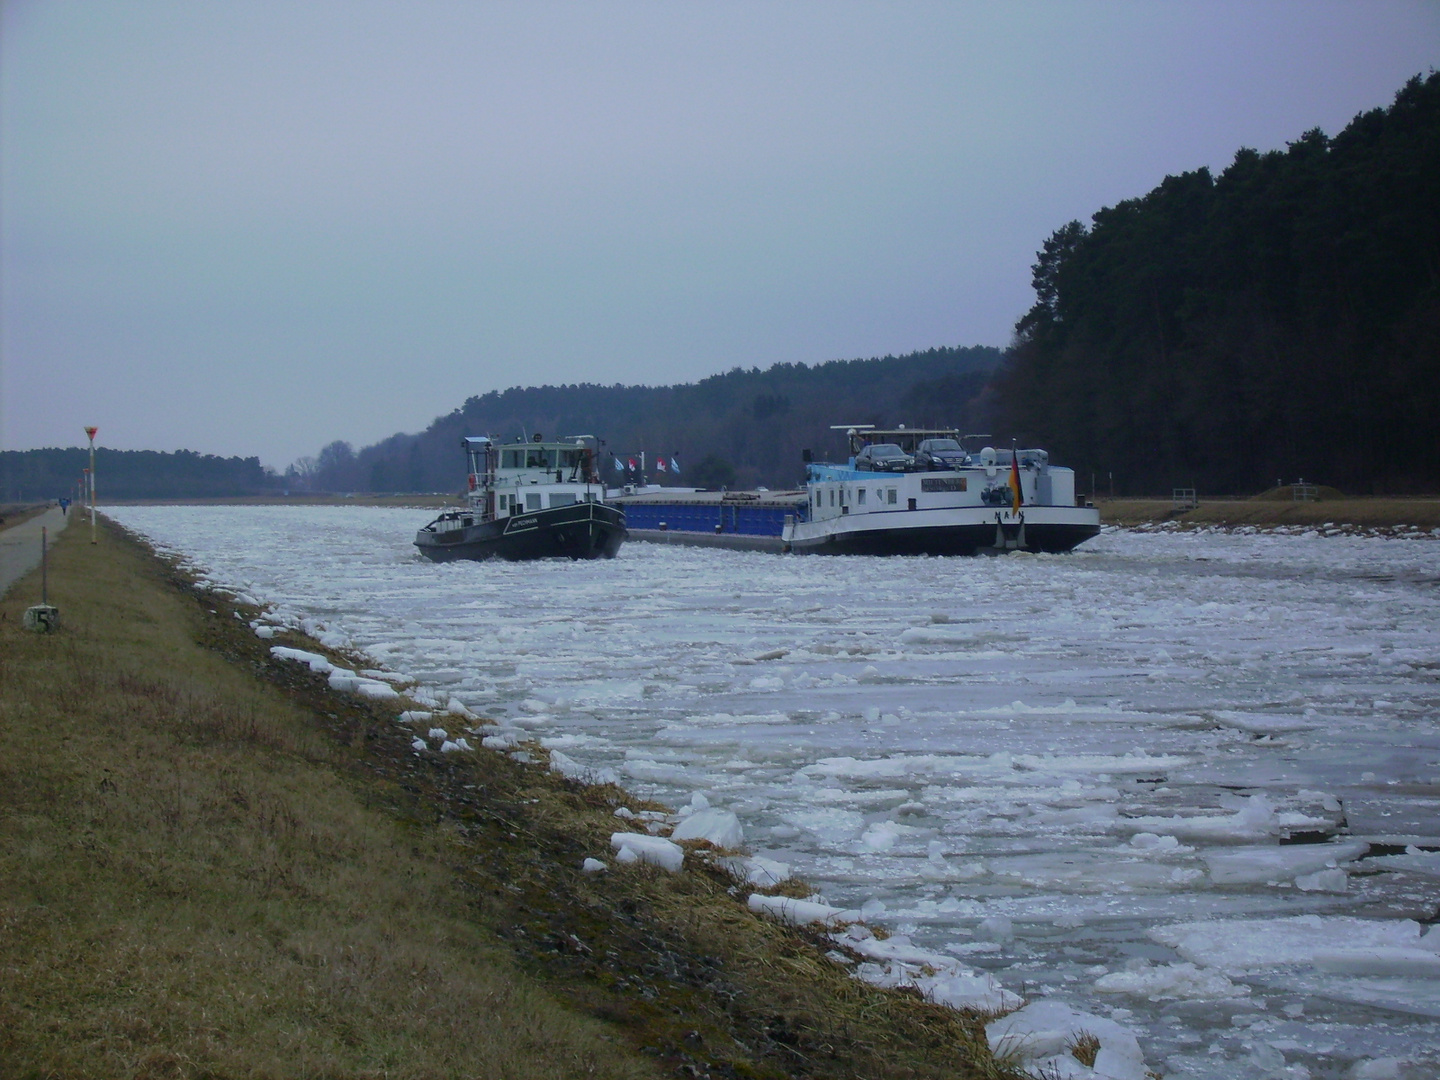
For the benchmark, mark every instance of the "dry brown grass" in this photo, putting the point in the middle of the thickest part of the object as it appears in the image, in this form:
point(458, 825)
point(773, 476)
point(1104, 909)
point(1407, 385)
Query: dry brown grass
point(189, 888)
point(12, 514)
point(1370, 513)
point(209, 874)
point(1084, 1048)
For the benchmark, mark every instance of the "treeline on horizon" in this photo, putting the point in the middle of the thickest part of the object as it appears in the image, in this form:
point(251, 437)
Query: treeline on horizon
point(744, 428)
point(1279, 321)
point(740, 428)
point(33, 475)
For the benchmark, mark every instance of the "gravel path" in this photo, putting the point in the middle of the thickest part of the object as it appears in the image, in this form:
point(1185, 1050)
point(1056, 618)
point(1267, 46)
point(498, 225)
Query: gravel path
point(20, 546)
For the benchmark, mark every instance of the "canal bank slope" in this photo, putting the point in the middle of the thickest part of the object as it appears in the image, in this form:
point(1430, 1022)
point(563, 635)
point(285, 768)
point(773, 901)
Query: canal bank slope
point(1279, 508)
point(215, 864)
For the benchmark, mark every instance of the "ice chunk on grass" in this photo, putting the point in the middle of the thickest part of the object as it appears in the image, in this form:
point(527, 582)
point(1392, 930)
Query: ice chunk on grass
point(719, 827)
point(655, 850)
point(755, 869)
point(571, 769)
point(795, 912)
point(317, 663)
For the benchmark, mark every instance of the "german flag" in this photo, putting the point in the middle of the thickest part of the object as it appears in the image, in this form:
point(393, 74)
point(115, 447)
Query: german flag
point(1015, 495)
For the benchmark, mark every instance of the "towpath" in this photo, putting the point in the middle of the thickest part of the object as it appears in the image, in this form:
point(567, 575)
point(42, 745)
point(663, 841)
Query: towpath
point(20, 546)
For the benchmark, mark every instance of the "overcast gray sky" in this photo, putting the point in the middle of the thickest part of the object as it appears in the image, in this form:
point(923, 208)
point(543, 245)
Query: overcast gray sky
point(254, 227)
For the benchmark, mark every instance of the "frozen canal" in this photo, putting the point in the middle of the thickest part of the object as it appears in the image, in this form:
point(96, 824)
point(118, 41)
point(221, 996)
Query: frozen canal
point(1118, 777)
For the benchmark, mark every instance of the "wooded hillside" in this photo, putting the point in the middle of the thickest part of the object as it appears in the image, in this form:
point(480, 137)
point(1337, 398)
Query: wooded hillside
point(131, 474)
point(745, 427)
point(1281, 320)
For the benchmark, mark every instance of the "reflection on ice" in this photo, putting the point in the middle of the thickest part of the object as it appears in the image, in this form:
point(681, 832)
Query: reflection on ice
point(1192, 778)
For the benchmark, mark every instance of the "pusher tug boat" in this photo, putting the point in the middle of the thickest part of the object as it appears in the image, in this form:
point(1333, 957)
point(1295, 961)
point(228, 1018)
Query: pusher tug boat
point(528, 500)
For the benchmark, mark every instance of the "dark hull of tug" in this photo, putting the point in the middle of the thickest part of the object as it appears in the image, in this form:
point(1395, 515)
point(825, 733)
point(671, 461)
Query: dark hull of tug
point(577, 531)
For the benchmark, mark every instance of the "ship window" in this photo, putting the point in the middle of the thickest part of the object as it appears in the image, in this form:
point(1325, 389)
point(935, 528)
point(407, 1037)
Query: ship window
point(512, 458)
point(832, 496)
point(890, 496)
point(532, 500)
point(860, 496)
point(562, 498)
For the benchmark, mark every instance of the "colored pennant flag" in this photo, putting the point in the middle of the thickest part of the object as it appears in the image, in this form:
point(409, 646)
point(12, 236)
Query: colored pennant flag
point(1015, 481)
point(618, 466)
point(659, 464)
point(633, 466)
point(674, 464)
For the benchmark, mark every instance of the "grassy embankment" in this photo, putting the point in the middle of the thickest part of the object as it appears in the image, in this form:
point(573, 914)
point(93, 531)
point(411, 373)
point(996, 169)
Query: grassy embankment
point(1278, 507)
point(12, 514)
point(213, 865)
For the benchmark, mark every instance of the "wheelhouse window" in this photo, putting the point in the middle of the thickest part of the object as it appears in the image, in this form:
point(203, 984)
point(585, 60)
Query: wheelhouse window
point(532, 500)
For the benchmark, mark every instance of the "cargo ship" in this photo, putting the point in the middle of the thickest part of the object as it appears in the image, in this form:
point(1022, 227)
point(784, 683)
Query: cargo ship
point(901, 491)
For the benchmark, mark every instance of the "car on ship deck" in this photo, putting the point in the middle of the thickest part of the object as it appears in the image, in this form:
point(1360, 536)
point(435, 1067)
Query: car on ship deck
point(940, 454)
point(883, 457)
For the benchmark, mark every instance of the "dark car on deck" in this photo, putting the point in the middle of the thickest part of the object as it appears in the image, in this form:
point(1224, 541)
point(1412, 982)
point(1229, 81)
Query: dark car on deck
point(936, 454)
point(883, 457)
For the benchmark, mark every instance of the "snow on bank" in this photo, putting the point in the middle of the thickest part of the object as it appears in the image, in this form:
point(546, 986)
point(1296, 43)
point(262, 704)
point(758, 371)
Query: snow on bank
point(339, 678)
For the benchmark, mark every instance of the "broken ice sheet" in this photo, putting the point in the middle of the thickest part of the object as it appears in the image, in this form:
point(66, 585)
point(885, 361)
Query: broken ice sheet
point(1037, 718)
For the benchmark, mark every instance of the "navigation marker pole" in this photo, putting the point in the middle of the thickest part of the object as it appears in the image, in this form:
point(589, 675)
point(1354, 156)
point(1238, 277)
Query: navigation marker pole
point(91, 432)
point(42, 618)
